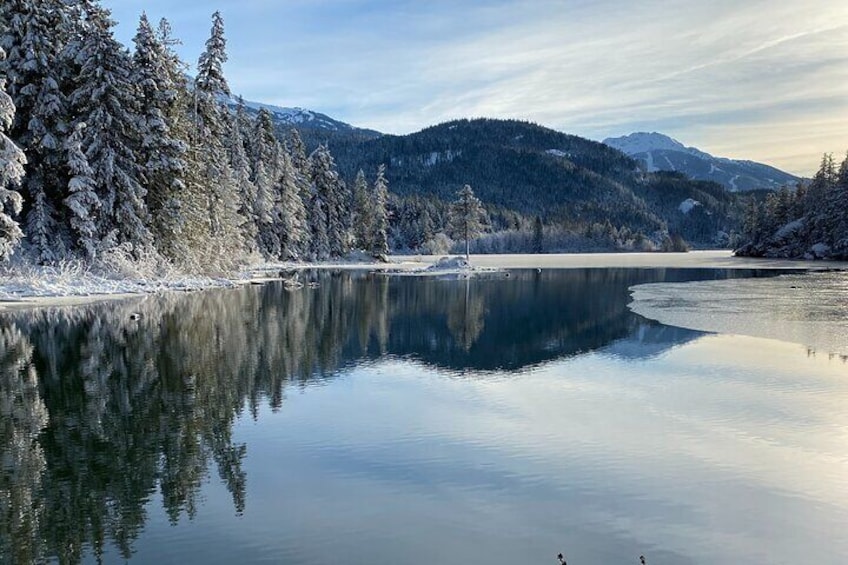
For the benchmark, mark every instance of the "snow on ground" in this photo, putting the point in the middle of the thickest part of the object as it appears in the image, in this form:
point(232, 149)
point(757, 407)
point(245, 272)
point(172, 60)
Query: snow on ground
point(687, 205)
point(819, 250)
point(73, 284)
point(809, 309)
point(449, 266)
point(732, 183)
point(789, 229)
point(649, 161)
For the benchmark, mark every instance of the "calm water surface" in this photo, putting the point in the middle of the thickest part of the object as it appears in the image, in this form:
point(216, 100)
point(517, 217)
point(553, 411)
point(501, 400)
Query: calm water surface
point(374, 420)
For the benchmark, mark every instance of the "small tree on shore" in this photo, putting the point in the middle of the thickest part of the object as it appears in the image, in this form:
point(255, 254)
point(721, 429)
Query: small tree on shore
point(467, 217)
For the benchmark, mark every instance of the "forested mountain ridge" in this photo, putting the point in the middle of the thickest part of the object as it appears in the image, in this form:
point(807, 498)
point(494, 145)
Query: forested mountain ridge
point(658, 152)
point(497, 157)
point(536, 171)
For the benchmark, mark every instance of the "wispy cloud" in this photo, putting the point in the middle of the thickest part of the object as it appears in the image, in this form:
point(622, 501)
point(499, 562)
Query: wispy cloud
point(761, 80)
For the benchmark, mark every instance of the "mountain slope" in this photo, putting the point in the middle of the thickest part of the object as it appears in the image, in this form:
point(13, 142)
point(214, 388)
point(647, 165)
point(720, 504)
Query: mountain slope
point(314, 127)
point(658, 152)
point(533, 170)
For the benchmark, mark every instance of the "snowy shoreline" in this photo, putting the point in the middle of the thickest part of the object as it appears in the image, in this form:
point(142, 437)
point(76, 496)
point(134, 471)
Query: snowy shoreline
point(51, 287)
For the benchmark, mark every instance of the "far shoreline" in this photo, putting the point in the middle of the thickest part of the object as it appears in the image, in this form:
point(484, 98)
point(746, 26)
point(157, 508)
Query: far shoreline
point(701, 259)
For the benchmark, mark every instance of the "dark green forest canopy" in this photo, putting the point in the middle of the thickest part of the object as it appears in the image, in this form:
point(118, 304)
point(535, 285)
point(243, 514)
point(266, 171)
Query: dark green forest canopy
point(531, 170)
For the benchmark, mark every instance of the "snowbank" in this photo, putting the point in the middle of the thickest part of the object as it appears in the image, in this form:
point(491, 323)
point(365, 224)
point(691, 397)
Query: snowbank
point(450, 264)
point(23, 285)
point(73, 283)
point(446, 266)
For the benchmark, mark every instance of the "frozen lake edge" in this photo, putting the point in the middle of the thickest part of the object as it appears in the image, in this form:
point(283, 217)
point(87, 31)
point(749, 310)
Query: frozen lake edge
point(45, 293)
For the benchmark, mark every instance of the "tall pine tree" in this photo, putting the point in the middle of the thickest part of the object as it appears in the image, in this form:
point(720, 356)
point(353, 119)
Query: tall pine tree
point(363, 212)
point(266, 209)
point(331, 190)
point(380, 228)
point(218, 240)
point(34, 36)
point(264, 144)
point(107, 102)
point(300, 161)
point(291, 213)
point(161, 153)
point(82, 200)
point(12, 161)
point(241, 176)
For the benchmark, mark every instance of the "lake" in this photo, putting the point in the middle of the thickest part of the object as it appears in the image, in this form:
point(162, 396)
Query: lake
point(368, 419)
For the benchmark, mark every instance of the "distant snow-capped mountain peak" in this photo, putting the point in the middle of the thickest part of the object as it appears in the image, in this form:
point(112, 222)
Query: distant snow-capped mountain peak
point(296, 116)
point(644, 142)
point(659, 152)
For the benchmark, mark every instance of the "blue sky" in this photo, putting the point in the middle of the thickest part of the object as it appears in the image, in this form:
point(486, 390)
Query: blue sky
point(760, 80)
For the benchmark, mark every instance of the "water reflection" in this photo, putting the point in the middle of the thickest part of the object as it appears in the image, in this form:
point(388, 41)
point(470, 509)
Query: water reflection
point(105, 408)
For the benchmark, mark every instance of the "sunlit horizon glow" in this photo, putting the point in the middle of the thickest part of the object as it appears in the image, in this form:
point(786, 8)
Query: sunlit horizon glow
point(761, 80)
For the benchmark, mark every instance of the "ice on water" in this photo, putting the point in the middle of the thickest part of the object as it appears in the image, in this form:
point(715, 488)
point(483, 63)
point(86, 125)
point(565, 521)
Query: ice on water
point(810, 309)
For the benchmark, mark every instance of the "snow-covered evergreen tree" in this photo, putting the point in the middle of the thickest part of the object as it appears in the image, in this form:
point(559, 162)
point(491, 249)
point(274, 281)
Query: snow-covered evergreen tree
point(82, 201)
point(161, 153)
point(12, 161)
point(210, 67)
point(266, 210)
point(215, 193)
point(335, 204)
point(241, 175)
point(380, 227)
point(319, 242)
point(266, 153)
point(107, 101)
point(297, 150)
point(292, 212)
point(33, 34)
point(171, 223)
point(264, 144)
point(302, 170)
point(363, 212)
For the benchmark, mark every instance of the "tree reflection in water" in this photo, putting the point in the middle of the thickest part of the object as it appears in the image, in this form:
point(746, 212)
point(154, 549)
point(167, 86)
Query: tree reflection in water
point(466, 317)
point(104, 406)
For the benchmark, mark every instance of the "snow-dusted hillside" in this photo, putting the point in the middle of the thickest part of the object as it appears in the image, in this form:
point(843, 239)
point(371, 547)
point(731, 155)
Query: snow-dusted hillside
point(659, 152)
point(301, 118)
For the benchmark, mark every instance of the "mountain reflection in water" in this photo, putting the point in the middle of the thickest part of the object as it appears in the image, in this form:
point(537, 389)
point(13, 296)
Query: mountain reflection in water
point(105, 408)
